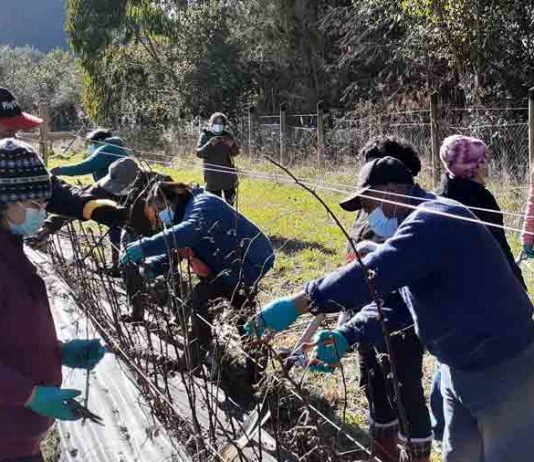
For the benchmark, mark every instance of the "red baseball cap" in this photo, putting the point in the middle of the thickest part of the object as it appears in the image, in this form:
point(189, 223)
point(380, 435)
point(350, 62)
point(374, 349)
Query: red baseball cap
point(11, 115)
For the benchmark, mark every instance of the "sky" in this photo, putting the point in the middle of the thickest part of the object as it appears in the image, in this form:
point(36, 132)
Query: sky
point(38, 23)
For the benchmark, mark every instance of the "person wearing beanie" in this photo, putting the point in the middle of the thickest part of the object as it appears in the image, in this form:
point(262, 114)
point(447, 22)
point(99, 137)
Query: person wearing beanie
point(217, 148)
point(31, 356)
point(467, 305)
point(408, 350)
point(465, 160)
point(66, 199)
point(104, 149)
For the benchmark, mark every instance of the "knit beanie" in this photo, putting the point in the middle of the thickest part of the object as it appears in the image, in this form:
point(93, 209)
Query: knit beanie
point(23, 175)
point(462, 155)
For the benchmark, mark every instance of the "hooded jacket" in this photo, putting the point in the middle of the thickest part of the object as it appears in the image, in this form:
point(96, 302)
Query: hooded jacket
point(97, 164)
point(29, 349)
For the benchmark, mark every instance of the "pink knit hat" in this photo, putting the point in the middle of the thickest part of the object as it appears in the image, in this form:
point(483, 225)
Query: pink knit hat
point(462, 155)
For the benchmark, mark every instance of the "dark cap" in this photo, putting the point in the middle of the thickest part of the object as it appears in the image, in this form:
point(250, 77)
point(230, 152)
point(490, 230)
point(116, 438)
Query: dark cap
point(377, 172)
point(11, 115)
point(121, 175)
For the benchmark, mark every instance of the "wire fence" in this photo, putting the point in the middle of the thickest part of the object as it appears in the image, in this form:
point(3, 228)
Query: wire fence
point(331, 140)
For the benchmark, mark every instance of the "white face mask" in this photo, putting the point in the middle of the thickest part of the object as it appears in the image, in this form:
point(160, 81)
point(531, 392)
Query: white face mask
point(217, 129)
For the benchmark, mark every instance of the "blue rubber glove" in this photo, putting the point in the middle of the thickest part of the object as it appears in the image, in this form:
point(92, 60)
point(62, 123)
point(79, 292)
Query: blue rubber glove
point(330, 347)
point(132, 254)
point(528, 250)
point(82, 354)
point(52, 402)
point(275, 316)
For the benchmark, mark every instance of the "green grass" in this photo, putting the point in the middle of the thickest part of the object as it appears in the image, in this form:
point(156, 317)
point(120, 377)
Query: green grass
point(310, 244)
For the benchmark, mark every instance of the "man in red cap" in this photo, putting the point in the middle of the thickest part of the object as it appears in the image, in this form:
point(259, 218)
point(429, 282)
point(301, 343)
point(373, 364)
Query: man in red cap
point(66, 199)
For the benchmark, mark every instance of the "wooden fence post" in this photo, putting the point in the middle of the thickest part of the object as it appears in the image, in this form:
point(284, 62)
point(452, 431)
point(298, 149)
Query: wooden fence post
point(320, 134)
point(283, 133)
point(530, 130)
point(44, 130)
point(252, 128)
point(434, 134)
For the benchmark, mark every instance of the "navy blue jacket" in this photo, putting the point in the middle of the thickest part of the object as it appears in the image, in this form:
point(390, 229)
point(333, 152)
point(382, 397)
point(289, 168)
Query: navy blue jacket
point(469, 309)
point(231, 245)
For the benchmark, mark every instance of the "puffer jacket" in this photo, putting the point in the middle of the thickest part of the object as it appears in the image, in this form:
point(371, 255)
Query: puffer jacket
point(233, 247)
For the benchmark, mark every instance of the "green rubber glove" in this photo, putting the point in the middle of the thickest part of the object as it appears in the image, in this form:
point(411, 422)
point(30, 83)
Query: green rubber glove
point(276, 316)
point(528, 250)
point(330, 347)
point(53, 402)
point(82, 354)
point(132, 254)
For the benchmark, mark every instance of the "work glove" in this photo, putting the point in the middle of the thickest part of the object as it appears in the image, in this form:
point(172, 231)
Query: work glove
point(82, 354)
point(276, 316)
point(111, 215)
point(329, 346)
point(528, 250)
point(53, 402)
point(132, 254)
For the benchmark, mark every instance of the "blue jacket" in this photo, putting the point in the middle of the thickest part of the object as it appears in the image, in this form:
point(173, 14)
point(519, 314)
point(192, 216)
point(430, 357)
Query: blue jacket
point(469, 309)
point(97, 164)
point(232, 246)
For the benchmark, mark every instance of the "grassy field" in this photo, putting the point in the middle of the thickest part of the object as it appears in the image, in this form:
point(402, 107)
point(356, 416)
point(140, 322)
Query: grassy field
point(309, 244)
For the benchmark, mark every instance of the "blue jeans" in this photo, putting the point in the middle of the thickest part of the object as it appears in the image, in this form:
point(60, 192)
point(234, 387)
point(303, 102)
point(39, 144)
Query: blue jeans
point(489, 414)
point(437, 418)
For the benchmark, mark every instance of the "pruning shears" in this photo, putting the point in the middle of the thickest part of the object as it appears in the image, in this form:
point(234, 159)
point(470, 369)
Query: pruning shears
point(80, 411)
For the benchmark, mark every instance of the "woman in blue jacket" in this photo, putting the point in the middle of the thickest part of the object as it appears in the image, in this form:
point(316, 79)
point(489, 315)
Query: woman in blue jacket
point(229, 253)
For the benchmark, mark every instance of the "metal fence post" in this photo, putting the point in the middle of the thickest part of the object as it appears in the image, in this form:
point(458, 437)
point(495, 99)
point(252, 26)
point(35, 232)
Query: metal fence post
point(320, 134)
point(283, 130)
point(434, 134)
point(530, 129)
point(44, 130)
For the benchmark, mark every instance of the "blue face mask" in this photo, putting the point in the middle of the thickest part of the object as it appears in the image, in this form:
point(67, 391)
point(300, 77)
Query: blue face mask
point(33, 221)
point(166, 216)
point(217, 129)
point(381, 225)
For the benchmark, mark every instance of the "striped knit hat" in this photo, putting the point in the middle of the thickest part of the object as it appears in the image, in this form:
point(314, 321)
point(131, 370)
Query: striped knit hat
point(463, 155)
point(23, 175)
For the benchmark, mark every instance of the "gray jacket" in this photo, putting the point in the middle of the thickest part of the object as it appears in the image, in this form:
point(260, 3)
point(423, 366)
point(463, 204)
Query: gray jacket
point(218, 157)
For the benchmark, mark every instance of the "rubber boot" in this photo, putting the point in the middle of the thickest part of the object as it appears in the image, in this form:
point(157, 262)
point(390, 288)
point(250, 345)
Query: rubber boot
point(138, 309)
point(385, 443)
point(419, 450)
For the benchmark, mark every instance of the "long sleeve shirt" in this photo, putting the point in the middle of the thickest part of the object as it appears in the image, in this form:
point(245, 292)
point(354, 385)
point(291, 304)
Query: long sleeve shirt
point(468, 307)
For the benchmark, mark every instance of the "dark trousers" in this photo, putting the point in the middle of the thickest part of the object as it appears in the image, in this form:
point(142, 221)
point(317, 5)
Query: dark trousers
point(229, 194)
point(206, 291)
point(376, 381)
point(35, 458)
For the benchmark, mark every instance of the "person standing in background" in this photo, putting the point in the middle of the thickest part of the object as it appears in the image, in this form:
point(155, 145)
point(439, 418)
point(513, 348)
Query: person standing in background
point(217, 147)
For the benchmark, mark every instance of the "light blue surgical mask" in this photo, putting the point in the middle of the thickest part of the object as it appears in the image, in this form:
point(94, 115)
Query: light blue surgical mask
point(33, 221)
point(217, 129)
point(166, 216)
point(381, 225)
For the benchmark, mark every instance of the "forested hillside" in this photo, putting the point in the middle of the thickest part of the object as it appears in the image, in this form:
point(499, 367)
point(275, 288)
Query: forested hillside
point(38, 23)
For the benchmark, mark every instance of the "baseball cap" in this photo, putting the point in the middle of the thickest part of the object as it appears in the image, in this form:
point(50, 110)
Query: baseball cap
point(11, 115)
point(121, 175)
point(375, 173)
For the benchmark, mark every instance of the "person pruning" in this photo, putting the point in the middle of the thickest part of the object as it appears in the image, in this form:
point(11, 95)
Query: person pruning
point(467, 306)
point(217, 147)
point(228, 252)
point(31, 356)
point(66, 199)
point(103, 148)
